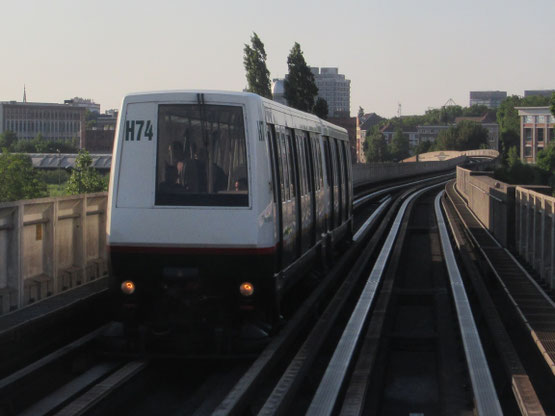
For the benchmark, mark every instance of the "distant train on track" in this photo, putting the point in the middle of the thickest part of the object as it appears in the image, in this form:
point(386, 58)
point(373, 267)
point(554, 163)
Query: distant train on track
point(219, 202)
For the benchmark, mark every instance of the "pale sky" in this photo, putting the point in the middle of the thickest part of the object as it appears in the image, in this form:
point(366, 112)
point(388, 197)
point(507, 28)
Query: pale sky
point(417, 53)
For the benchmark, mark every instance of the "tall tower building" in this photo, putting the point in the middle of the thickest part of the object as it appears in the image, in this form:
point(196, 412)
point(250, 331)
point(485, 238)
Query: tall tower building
point(335, 89)
point(491, 99)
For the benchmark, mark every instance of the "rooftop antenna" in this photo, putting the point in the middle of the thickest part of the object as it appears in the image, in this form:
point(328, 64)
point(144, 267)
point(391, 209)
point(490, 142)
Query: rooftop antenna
point(24, 94)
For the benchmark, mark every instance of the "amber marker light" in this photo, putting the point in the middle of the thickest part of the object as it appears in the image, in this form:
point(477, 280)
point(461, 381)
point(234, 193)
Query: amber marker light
point(128, 287)
point(246, 289)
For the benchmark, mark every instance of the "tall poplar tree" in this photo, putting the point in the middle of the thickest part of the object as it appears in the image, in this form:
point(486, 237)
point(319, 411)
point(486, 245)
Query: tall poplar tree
point(300, 88)
point(258, 76)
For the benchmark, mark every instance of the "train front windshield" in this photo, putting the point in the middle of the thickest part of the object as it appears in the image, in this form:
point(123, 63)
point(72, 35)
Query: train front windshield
point(201, 156)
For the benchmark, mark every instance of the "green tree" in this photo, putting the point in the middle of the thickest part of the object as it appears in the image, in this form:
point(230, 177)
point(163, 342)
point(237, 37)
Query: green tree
point(475, 110)
point(399, 148)
point(545, 159)
point(513, 158)
point(466, 135)
point(422, 147)
point(40, 144)
point(321, 108)
point(553, 103)
point(377, 148)
point(258, 76)
point(84, 178)
point(299, 86)
point(19, 179)
point(7, 140)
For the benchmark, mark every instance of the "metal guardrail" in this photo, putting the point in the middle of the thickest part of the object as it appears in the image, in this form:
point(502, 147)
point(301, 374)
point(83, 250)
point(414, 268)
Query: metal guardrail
point(50, 245)
point(67, 160)
point(535, 231)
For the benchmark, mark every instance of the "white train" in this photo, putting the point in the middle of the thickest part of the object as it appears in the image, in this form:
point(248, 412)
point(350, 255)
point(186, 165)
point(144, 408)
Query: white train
point(219, 202)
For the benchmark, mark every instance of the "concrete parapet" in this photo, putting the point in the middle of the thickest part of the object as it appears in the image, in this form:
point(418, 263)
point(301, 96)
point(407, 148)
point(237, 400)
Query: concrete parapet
point(535, 230)
point(521, 218)
point(367, 173)
point(491, 201)
point(49, 245)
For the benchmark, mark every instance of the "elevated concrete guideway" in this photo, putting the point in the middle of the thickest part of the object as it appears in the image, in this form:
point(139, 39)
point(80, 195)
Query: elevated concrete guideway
point(51, 245)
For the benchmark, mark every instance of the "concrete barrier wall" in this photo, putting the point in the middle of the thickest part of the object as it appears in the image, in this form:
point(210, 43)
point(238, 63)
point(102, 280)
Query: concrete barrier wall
point(50, 245)
point(535, 231)
point(520, 218)
point(369, 173)
point(491, 201)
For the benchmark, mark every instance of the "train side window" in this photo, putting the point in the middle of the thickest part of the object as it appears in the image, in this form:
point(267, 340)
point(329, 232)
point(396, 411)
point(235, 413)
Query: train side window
point(342, 177)
point(309, 163)
point(290, 165)
point(273, 160)
point(339, 156)
point(328, 159)
point(285, 195)
point(318, 160)
point(346, 164)
point(302, 165)
point(333, 154)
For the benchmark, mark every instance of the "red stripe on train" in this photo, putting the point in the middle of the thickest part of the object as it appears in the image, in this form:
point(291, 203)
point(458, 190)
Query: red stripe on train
point(192, 250)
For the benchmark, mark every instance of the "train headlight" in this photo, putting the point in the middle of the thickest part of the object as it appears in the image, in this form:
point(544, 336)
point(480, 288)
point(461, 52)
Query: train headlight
point(246, 289)
point(128, 287)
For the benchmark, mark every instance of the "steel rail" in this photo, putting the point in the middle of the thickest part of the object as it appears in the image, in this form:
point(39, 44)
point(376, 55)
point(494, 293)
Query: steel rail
point(363, 199)
point(19, 375)
point(324, 401)
point(101, 390)
point(362, 230)
point(487, 402)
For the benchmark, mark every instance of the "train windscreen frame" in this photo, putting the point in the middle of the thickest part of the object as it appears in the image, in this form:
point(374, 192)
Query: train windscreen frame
point(201, 156)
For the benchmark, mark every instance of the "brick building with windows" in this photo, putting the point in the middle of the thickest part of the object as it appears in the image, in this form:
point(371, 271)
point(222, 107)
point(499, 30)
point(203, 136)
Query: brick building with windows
point(536, 131)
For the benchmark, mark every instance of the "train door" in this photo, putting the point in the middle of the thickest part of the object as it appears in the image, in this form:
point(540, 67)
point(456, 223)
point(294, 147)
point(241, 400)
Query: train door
point(277, 188)
point(288, 199)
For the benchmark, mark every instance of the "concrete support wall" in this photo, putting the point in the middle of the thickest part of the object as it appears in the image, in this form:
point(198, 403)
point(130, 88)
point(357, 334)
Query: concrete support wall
point(535, 231)
point(50, 245)
point(367, 173)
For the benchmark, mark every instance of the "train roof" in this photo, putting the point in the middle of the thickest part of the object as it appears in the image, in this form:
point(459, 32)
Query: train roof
point(164, 94)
